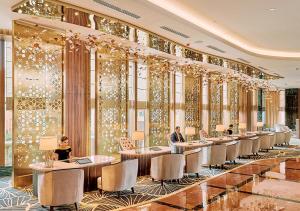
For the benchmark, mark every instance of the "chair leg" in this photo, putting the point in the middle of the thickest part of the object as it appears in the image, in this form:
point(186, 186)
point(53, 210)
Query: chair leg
point(152, 179)
point(132, 190)
point(197, 175)
point(222, 166)
point(178, 181)
point(51, 208)
point(210, 167)
point(161, 182)
point(100, 191)
point(76, 205)
point(118, 194)
point(234, 162)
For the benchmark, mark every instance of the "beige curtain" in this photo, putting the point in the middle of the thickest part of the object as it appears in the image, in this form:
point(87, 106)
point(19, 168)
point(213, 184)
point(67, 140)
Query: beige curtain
point(272, 108)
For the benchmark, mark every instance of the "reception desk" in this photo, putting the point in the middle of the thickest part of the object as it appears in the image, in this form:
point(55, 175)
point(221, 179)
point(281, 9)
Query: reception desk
point(144, 156)
point(92, 170)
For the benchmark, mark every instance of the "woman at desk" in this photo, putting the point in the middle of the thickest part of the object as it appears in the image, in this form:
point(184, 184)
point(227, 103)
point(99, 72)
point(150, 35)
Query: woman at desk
point(64, 150)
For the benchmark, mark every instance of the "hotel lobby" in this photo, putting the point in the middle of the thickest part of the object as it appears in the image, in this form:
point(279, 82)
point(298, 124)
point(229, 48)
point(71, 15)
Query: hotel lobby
point(146, 105)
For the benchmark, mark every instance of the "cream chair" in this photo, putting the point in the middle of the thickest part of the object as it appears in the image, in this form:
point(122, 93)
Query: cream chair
point(126, 144)
point(193, 160)
point(288, 136)
point(62, 187)
point(217, 155)
point(280, 138)
point(265, 142)
point(272, 139)
point(232, 151)
point(167, 167)
point(245, 147)
point(118, 177)
point(255, 145)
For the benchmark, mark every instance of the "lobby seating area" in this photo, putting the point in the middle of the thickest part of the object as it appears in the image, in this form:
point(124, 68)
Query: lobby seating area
point(149, 105)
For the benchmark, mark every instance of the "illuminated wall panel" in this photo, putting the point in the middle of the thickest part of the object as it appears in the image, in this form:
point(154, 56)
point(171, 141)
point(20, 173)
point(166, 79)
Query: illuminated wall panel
point(233, 102)
point(193, 103)
point(38, 92)
point(158, 103)
point(111, 100)
point(215, 104)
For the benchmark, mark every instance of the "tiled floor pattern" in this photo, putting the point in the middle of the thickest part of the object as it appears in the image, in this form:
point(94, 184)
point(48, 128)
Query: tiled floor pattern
point(145, 190)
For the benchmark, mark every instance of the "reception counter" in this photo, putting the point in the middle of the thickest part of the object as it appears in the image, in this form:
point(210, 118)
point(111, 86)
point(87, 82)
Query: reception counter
point(92, 170)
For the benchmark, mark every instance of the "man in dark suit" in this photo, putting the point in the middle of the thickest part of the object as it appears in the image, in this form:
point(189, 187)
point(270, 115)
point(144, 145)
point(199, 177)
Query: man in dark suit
point(176, 136)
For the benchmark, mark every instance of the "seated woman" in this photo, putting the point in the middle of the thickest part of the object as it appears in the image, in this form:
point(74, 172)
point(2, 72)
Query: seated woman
point(230, 129)
point(64, 149)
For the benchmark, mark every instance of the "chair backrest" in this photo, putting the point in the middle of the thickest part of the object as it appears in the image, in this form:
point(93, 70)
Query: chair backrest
point(120, 176)
point(126, 143)
point(193, 160)
point(255, 144)
point(280, 137)
point(232, 150)
point(167, 167)
point(245, 147)
point(265, 142)
point(288, 136)
point(272, 138)
point(218, 154)
point(60, 187)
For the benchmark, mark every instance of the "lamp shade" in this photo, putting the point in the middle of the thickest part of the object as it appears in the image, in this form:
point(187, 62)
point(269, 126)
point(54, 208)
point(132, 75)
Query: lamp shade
point(138, 135)
point(259, 124)
point(220, 128)
point(242, 125)
point(190, 131)
point(48, 143)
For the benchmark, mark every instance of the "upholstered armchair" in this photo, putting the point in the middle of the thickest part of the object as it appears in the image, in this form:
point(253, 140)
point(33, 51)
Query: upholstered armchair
point(126, 143)
point(62, 187)
point(232, 151)
point(217, 155)
point(280, 137)
point(167, 167)
point(288, 136)
point(118, 177)
point(193, 160)
point(255, 145)
point(245, 147)
point(272, 138)
point(265, 142)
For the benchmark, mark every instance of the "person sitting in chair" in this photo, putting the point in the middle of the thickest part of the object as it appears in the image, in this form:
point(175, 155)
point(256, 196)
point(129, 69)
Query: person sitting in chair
point(230, 129)
point(176, 136)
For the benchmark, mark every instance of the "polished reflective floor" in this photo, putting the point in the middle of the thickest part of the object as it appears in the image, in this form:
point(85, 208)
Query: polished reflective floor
point(272, 184)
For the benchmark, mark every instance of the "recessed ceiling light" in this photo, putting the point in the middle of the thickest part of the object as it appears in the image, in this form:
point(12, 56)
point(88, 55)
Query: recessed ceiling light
point(272, 9)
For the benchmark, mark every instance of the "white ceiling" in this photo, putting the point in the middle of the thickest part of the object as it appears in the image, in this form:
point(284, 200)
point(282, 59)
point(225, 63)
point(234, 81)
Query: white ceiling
point(247, 20)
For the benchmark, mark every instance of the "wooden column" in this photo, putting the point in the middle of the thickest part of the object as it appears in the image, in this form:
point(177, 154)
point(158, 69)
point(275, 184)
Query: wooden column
point(77, 90)
point(2, 103)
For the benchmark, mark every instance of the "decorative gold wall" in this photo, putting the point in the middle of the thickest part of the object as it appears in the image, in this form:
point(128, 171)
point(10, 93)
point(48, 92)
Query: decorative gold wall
point(193, 103)
point(38, 93)
point(233, 102)
point(111, 99)
point(215, 104)
point(159, 102)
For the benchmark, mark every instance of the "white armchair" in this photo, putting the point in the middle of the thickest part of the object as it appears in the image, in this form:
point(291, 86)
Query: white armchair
point(288, 136)
point(217, 155)
point(232, 151)
point(265, 142)
point(280, 138)
point(272, 139)
point(193, 160)
point(255, 145)
point(57, 188)
point(118, 177)
point(167, 167)
point(245, 147)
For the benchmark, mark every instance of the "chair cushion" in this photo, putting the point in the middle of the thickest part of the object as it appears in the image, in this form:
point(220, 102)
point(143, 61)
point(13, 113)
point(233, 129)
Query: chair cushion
point(126, 143)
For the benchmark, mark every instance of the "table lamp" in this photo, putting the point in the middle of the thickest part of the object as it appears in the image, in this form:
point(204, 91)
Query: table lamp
point(220, 129)
point(259, 126)
point(48, 144)
point(138, 137)
point(242, 128)
point(189, 131)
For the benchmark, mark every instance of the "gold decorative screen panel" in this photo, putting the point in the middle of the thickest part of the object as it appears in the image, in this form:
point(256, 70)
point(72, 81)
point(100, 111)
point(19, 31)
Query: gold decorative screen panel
point(192, 103)
point(215, 104)
point(233, 100)
point(159, 100)
point(111, 106)
point(38, 93)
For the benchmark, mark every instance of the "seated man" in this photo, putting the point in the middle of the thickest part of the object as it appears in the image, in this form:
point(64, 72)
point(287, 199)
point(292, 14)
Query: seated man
point(230, 129)
point(176, 136)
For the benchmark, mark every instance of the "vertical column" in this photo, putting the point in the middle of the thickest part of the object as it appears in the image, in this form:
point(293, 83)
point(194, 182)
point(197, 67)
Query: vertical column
point(252, 108)
point(2, 103)
point(205, 111)
point(281, 115)
point(77, 81)
point(226, 112)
